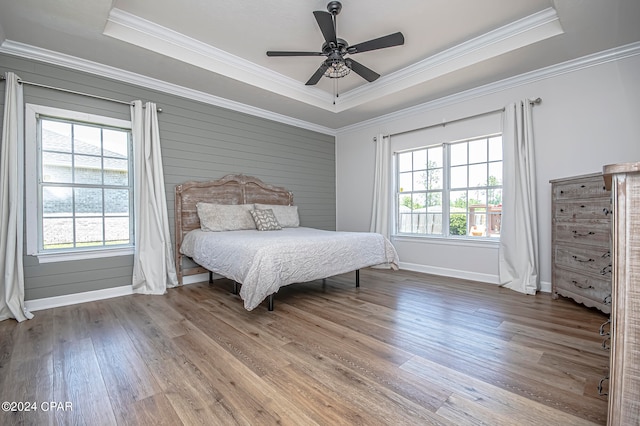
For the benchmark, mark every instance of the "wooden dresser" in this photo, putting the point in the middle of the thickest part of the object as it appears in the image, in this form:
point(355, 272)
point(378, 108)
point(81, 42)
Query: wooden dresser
point(624, 373)
point(580, 240)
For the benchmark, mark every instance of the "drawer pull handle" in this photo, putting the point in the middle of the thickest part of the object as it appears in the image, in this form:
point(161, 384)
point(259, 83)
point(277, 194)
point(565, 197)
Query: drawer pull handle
point(582, 260)
point(561, 210)
point(606, 270)
point(604, 324)
point(575, 283)
point(582, 206)
point(562, 192)
point(607, 300)
point(606, 211)
point(605, 378)
point(605, 344)
point(582, 186)
point(577, 234)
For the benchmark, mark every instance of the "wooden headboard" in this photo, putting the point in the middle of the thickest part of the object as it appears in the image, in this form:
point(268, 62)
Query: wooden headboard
point(231, 189)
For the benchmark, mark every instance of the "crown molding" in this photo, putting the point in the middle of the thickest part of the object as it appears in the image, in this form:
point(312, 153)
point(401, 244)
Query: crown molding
point(588, 61)
point(60, 59)
point(523, 32)
point(140, 32)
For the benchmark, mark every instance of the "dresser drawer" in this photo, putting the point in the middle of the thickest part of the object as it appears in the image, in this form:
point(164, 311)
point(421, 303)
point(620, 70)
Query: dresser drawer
point(598, 208)
point(594, 261)
point(574, 283)
point(580, 188)
point(588, 232)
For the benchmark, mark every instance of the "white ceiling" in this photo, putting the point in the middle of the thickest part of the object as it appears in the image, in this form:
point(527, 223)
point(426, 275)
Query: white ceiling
point(217, 48)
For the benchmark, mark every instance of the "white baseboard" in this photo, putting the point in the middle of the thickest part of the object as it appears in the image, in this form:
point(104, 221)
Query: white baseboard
point(72, 299)
point(92, 296)
point(545, 287)
point(95, 295)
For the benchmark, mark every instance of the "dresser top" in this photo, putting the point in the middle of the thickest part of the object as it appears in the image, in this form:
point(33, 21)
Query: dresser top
point(612, 169)
point(568, 178)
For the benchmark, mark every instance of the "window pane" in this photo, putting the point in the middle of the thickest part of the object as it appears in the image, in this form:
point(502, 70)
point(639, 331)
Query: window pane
point(434, 202)
point(458, 224)
point(434, 224)
point(115, 143)
point(478, 151)
point(494, 223)
point(495, 148)
point(116, 202)
point(56, 136)
point(88, 231)
point(87, 169)
point(420, 181)
point(458, 153)
point(495, 173)
point(478, 175)
point(495, 197)
point(57, 233)
point(419, 202)
point(57, 202)
point(404, 213)
point(116, 172)
point(459, 177)
point(56, 167)
point(420, 159)
point(434, 179)
point(88, 201)
point(86, 140)
point(435, 156)
point(116, 230)
point(478, 198)
point(405, 182)
point(404, 161)
point(458, 201)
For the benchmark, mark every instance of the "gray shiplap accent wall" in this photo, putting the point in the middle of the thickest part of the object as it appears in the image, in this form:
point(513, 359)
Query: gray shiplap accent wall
point(199, 142)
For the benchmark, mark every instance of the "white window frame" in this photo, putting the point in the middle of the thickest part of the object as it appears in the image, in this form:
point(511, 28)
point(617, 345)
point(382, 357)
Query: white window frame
point(446, 192)
point(32, 164)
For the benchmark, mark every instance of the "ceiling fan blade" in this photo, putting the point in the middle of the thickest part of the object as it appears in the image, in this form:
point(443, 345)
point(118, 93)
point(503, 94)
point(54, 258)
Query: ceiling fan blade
point(364, 72)
point(325, 22)
point(315, 78)
point(279, 53)
point(395, 39)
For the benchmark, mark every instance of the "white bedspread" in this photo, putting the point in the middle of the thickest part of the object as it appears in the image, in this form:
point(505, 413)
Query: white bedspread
point(265, 261)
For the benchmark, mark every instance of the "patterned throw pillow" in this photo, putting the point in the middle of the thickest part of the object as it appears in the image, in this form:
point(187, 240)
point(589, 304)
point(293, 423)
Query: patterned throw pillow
point(265, 220)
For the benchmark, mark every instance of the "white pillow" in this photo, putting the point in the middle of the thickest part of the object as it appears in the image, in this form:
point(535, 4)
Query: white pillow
point(225, 217)
point(287, 215)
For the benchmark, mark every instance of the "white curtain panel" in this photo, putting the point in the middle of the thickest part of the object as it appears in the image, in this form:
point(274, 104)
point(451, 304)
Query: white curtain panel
point(11, 204)
point(153, 263)
point(381, 188)
point(518, 255)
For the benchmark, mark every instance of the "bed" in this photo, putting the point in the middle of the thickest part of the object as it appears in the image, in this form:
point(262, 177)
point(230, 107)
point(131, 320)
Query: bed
point(263, 261)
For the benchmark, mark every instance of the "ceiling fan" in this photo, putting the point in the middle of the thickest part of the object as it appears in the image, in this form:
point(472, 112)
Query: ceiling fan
point(335, 49)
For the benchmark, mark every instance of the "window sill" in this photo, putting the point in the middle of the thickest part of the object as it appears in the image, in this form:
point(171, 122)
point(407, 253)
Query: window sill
point(82, 255)
point(451, 241)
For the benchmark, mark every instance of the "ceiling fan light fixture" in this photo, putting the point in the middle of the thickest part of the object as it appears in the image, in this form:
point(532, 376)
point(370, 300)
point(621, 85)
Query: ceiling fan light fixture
point(337, 69)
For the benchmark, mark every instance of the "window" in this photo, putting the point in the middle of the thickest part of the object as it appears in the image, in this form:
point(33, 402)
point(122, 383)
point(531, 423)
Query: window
point(79, 184)
point(452, 189)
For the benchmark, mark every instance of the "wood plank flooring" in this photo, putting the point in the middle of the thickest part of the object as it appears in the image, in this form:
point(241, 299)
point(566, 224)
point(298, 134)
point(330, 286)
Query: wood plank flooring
point(403, 349)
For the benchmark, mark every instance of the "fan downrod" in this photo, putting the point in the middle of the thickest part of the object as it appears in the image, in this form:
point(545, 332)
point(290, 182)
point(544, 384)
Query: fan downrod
point(334, 7)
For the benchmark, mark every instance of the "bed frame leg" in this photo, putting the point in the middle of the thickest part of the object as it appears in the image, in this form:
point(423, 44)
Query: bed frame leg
point(357, 278)
point(210, 277)
point(270, 300)
point(235, 287)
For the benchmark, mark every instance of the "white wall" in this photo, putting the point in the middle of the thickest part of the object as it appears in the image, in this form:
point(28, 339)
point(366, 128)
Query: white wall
point(589, 117)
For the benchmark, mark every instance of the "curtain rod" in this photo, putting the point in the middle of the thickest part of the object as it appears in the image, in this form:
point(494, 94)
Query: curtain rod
point(444, 123)
point(60, 89)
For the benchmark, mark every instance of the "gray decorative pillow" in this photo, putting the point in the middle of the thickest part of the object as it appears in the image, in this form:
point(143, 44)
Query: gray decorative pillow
point(287, 215)
point(225, 217)
point(265, 220)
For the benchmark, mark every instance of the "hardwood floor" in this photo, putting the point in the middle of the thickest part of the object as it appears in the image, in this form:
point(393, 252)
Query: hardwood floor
point(403, 349)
